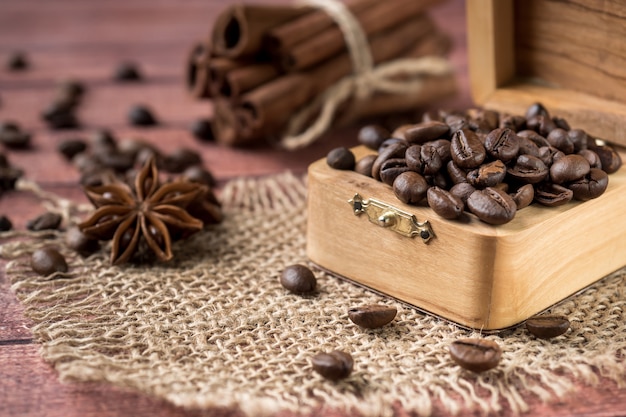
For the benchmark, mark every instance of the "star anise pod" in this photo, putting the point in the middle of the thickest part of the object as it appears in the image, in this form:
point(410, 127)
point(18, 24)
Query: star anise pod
point(150, 212)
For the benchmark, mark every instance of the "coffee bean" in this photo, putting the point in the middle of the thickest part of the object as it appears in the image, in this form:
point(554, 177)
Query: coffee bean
point(410, 187)
point(181, 159)
point(541, 124)
point(462, 190)
point(17, 61)
point(611, 160)
point(372, 136)
point(467, 150)
point(391, 168)
point(484, 120)
point(423, 159)
point(476, 355)
point(12, 136)
point(127, 71)
point(8, 174)
point(400, 131)
point(536, 109)
point(5, 223)
point(552, 195)
point(425, 132)
point(372, 316)
point(201, 129)
point(117, 161)
point(364, 165)
point(46, 221)
point(47, 261)
point(547, 327)
point(457, 175)
point(444, 203)
point(60, 115)
point(561, 123)
point(528, 169)
point(71, 91)
point(534, 137)
point(569, 168)
point(549, 154)
point(140, 115)
point(592, 185)
point(560, 139)
point(442, 146)
point(298, 279)
point(198, 174)
point(523, 196)
point(487, 175)
point(492, 206)
point(591, 157)
point(392, 141)
point(502, 144)
point(334, 366)
point(341, 158)
point(513, 122)
point(579, 138)
point(78, 241)
point(394, 150)
point(527, 146)
point(456, 122)
point(71, 147)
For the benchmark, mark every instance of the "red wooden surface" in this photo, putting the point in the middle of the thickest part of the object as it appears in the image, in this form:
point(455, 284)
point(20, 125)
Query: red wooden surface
point(85, 40)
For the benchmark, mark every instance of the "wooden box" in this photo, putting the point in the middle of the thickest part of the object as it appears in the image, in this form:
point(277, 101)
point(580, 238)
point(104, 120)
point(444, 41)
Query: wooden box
point(477, 275)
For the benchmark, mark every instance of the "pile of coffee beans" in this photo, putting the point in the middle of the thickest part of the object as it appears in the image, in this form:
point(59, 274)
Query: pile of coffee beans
point(485, 163)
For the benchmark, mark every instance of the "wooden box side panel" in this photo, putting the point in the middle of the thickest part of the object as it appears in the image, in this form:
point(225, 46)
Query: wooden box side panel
point(451, 276)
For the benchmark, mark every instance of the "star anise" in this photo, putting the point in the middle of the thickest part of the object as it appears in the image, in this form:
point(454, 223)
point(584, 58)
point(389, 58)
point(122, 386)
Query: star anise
point(151, 212)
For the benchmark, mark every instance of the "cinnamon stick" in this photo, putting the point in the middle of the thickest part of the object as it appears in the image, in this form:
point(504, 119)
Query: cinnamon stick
point(238, 31)
point(218, 68)
point(197, 78)
point(242, 79)
point(270, 106)
point(379, 17)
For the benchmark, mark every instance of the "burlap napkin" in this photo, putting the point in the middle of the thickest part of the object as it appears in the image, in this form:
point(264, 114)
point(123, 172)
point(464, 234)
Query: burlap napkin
point(215, 327)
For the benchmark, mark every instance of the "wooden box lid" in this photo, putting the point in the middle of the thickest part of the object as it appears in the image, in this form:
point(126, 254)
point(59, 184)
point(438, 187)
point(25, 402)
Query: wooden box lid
point(569, 55)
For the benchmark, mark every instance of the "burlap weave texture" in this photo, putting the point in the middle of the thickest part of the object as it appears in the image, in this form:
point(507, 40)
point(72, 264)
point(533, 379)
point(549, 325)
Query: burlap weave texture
point(214, 327)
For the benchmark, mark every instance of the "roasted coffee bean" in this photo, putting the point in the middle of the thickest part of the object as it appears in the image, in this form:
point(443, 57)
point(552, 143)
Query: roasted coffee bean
point(132, 147)
point(438, 180)
point(561, 123)
point(140, 115)
point(341, 158)
point(462, 190)
point(17, 61)
point(535, 137)
point(425, 132)
point(485, 120)
point(201, 129)
point(502, 144)
point(444, 203)
point(60, 115)
point(5, 224)
point(569, 168)
point(549, 154)
point(8, 174)
point(552, 195)
point(410, 187)
point(442, 146)
point(46, 221)
point(335, 365)
point(547, 327)
point(536, 109)
point(391, 141)
point(372, 316)
point(198, 174)
point(487, 175)
point(527, 146)
point(79, 242)
point(457, 175)
point(364, 165)
point(12, 136)
point(456, 122)
point(524, 196)
point(528, 169)
point(541, 124)
point(102, 140)
point(181, 159)
point(423, 159)
point(476, 355)
point(515, 123)
point(69, 148)
point(71, 91)
point(611, 160)
point(579, 138)
point(298, 279)
point(502, 186)
point(372, 136)
point(560, 139)
point(393, 150)
point(591, 157)
point(47, 261)
point(492, 205)
point(467, 150)
point(591, 186)
point(391, 168)
point(127, 71)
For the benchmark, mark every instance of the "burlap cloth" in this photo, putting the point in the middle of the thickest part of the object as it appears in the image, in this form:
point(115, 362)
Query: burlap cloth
point(215, 328)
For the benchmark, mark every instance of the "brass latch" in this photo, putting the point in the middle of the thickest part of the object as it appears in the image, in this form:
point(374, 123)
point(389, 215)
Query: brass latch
point(391, 218)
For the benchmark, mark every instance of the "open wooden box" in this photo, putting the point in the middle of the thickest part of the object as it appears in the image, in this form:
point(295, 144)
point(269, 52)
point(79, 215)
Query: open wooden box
point(477, 275)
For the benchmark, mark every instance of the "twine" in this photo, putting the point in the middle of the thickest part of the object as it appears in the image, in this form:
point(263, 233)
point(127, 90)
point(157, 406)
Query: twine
point(362, 83)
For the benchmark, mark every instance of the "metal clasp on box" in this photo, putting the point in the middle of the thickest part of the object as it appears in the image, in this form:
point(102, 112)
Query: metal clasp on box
point(391, 218)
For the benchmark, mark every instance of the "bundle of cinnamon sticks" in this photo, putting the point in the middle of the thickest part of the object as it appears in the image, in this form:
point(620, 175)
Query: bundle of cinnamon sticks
point(261, 63)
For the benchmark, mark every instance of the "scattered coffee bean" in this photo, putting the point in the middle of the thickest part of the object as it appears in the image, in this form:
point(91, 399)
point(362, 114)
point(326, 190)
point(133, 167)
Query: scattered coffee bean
point(444, 203)
point(17, 61)
point(5, 224)
point(180, 160)
point(410, 187)
point(536, 109)
point(12, 136)
point(127, 71)
point(372, 136)
point(546, 327)
point(60, 115)
point(298, 279)
point(47, 261)
point(8, 174)
point(198, 174)
point(201, 129)
point(611, 160)
point(372, 316)
point(79, 242)
point(140, 115)
point(69, 148)
point(46, 221)
point(335, 365)
point(341, 158)
point(364, 165)
point(476, 355)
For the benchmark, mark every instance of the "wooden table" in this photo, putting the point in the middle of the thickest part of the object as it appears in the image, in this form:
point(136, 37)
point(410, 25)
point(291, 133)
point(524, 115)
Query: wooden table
point(85, 40)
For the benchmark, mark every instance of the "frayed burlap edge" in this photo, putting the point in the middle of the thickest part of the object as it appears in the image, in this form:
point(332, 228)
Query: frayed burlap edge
point(215, 328)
